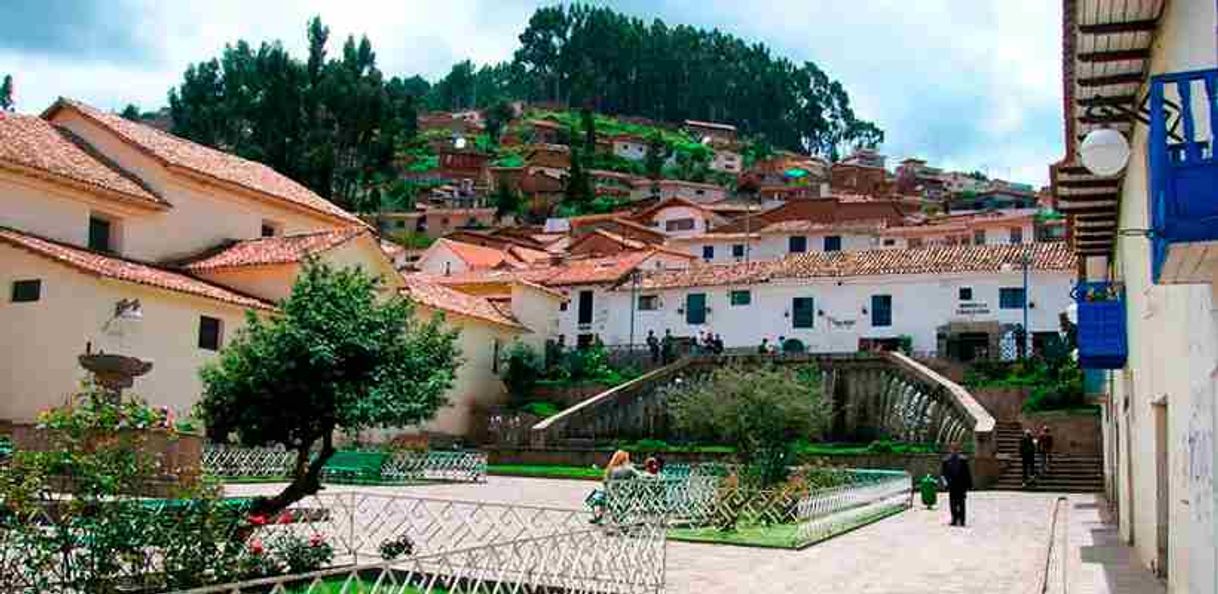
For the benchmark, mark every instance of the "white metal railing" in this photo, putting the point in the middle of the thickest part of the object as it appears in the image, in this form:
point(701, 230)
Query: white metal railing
point(398, 467)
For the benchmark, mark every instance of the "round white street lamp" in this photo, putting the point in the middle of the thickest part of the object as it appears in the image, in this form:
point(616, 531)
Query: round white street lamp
point(1104, 151)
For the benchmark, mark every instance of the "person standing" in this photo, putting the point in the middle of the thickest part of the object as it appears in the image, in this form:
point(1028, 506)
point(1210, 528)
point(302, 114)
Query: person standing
point(764, 348)
point(959, 481)
point(1027, 455)
point(667, 347)
point(653, 345)
point(1044, 443)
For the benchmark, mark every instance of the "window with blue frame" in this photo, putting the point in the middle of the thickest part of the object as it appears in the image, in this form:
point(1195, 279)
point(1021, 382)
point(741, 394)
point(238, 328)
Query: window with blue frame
point(881, 310)
point(833, 243)
point(803, 312)
point(742, 297)
point(797, 244)
point(708, 252)
point(1010, 298)
point(695, 308)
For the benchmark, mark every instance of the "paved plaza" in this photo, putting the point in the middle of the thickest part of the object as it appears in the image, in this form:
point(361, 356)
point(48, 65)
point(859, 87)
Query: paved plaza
point(1003, 549)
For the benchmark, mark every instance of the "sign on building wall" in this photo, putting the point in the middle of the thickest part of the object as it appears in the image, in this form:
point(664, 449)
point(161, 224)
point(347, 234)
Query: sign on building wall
point(973, 308)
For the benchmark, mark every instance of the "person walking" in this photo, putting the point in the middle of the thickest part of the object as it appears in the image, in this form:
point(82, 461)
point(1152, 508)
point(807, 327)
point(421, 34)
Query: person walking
point(764, 347)
point(1044, 443)
point(717, 341)
point(1027, 456)
point(959, 481)
point(653, 345)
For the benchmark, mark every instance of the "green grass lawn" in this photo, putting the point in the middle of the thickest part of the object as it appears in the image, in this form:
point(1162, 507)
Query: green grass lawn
point(335, 586)
point(776, 536)
point(546, 471)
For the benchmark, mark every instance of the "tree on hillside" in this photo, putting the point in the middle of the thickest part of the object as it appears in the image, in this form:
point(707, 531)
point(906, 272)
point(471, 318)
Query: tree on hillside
point(131, 112)
point(497, 118)
point(331, 123)
point(657, 153)
point(507, 201)
point(578, 188)
point(588, 126)
point(761, 411)
point(337, 356)
point(6, 93)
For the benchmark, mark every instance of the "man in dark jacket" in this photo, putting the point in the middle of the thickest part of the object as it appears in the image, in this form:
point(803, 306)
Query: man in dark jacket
point(959, 480)
point(1027, 455)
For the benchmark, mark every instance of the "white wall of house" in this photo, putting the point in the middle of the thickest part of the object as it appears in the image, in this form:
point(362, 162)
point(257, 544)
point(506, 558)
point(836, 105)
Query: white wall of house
point(920, 304)
point(1173, 346)
point(38, 366)
point(769, 246)
point(440, 260)
point(695, 192)
point(176, 232)
point(669, 220)
point(726, 161)
point(630, 149)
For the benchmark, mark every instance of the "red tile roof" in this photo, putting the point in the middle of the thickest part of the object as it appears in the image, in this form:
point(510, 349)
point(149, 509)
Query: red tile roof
point(929, 260)
point(31, 143)
point(266, 251)
point(479, 257)
point(430, 294)
point(206, 162)
point(582, 271)
point(126, 270)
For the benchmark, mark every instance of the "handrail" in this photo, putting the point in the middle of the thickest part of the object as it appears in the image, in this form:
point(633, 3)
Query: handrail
point(610, 394)
point(960, 399)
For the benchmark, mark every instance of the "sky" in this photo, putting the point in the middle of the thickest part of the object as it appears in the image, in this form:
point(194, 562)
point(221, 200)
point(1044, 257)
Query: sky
point(963, 84)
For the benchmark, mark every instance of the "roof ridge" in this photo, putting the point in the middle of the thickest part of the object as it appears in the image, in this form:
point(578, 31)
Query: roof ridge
point(92, 151)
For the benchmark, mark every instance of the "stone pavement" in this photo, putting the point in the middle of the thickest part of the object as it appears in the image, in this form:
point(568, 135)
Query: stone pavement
point(1098, 562)
point(1002, 550)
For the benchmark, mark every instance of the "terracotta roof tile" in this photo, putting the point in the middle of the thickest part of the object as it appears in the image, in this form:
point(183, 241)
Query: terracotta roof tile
point(479, 257)
point(929, 260)
point(208, 162)
point(431, 294)
point(31, 142)
point(582, 271)
point(265, 251)
point(126, 270)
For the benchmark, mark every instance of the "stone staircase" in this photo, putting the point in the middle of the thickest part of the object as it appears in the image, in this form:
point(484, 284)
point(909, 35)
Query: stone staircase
point(1067, 473)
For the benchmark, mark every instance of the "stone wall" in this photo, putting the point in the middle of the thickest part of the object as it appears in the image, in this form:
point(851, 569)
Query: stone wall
point(1004, 404)
point(916, 464)
point(1074, 432)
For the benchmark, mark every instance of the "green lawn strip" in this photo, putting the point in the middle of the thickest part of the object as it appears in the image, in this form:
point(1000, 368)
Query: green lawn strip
point(774, 536)
point(546, 471)
point(336, 584)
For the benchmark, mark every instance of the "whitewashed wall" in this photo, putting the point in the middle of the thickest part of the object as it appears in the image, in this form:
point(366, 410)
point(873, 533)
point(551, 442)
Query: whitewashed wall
point(920, 304)
point(1173, 347)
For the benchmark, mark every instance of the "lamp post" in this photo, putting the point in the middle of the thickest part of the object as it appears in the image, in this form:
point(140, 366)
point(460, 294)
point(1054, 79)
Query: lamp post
point(634, 299)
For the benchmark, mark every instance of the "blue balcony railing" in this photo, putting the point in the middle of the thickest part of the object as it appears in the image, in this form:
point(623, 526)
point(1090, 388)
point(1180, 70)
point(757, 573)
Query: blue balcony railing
point(1183, 170)
point(1102, 342)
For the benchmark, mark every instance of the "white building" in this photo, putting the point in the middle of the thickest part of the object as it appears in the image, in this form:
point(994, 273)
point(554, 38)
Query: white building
point(727, 161)
point(631, 147)
point(844, 301)
point(779, 240)
point(664, 189)
point(1159, 414)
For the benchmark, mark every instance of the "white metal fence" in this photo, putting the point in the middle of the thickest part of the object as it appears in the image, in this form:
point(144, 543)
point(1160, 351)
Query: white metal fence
point(394, 467)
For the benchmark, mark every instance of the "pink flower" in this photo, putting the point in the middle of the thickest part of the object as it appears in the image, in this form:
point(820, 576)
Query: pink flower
point(256, 547)
point(315, 540)
point(258, 520)
point(285, 518)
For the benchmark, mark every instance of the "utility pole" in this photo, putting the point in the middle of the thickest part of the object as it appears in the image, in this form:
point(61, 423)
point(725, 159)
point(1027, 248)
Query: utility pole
point(1023, 338)
point(634, 300)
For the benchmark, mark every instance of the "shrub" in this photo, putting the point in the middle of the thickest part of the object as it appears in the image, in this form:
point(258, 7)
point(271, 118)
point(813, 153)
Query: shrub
point(762, 412)
point(398, 546)
point(520, 369)
point(541, 409)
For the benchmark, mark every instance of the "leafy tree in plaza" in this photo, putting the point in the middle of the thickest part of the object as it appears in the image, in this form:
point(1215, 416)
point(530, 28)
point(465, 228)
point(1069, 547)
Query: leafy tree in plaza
point(761, 411)
point(522, 366)
point(337, 356)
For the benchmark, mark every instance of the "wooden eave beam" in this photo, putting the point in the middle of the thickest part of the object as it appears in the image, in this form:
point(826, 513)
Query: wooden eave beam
point(1119, 27)
point(1115, 55)
point(1107, 100)
point(1126, 78)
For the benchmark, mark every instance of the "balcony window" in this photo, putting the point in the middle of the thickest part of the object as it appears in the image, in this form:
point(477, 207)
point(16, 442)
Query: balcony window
point(1102, 342)
point(1183, 174)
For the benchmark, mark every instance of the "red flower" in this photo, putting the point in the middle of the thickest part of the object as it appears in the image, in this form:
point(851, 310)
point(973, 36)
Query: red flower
point(258, 520)
point(256, 547)
point(315, 540)
point(285, 518)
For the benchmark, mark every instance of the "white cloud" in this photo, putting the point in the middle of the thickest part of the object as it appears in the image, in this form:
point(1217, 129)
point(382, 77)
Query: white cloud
point(973, 85)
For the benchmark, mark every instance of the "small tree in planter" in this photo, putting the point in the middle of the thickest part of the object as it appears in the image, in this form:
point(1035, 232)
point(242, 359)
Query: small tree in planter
point(762, 412)
point(520, 369)
point(337, 356)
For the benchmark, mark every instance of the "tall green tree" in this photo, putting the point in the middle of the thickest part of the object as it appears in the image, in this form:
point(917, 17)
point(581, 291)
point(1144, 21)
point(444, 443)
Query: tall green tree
point(657, 153)
point(497, 117)
point(6, 93)
point(337, 356)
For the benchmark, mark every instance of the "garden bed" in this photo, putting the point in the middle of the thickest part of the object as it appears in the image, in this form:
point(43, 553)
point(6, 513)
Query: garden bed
point(547, 471)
